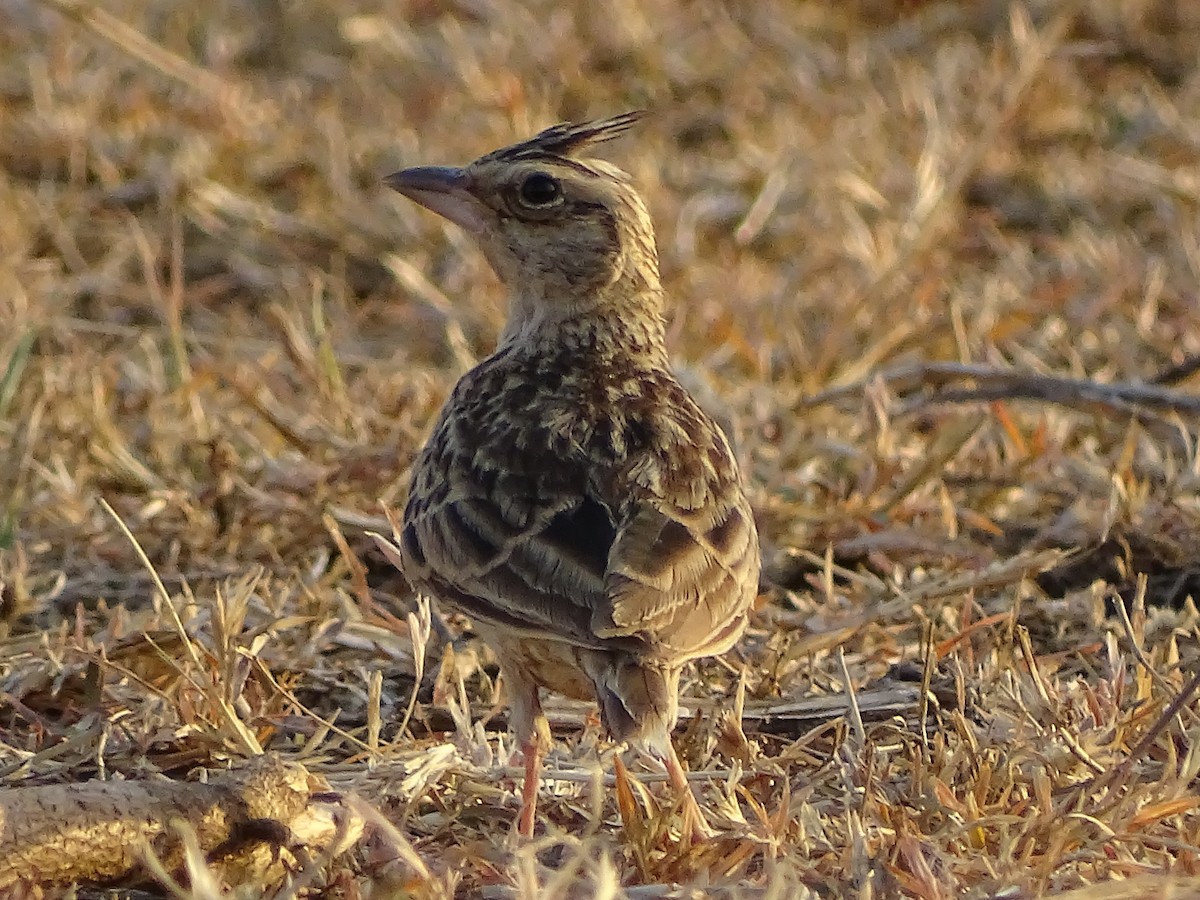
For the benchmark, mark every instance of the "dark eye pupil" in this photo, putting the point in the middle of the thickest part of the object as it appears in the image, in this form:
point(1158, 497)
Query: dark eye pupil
point(539, 189)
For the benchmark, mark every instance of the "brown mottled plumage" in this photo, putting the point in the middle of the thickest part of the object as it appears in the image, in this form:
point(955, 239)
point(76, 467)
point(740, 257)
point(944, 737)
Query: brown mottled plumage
point(573, 499)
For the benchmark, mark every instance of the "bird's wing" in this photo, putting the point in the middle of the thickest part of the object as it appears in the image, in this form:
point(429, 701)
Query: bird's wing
point(671, 580)
point(509, 538)
point(682, 577)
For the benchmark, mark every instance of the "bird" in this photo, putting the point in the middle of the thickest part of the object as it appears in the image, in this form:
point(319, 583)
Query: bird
point(573, 500)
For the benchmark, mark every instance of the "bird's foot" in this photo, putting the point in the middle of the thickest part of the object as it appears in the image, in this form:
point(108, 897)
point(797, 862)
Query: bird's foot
point(696, 829)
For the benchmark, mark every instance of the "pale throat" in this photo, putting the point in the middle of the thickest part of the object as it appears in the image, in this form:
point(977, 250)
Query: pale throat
point(628, 306)
point(629, 324)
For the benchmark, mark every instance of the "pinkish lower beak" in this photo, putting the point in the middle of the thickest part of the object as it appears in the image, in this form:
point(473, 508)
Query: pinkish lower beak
point(443, 189)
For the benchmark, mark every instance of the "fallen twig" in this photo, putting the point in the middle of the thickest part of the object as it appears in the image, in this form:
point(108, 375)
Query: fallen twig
point(937, 381)
point(99, 831)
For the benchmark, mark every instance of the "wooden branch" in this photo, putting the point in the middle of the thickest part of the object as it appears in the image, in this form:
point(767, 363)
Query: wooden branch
point(100, 831)
point(1178, 372)
point(941, 382)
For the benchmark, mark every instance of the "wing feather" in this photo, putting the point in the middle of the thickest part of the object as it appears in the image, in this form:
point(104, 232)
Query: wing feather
point(688, 588)
point(544, 578)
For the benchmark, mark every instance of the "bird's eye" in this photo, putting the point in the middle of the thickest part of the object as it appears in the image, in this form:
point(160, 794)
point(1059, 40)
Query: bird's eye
point(540, 189)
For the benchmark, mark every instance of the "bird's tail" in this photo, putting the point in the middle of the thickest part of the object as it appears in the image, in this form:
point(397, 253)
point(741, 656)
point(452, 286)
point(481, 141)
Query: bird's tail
point(639, 702)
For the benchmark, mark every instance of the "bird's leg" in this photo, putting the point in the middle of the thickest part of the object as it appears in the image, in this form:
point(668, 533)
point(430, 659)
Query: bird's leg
point(532, 733)
point(534, 752)
point(695, 826)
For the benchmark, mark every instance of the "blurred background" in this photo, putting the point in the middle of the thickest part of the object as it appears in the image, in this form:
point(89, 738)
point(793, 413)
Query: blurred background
point(215, 317)
point(204, 270)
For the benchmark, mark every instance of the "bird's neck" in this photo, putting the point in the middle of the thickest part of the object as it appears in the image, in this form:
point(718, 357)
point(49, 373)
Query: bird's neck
point(631, 328)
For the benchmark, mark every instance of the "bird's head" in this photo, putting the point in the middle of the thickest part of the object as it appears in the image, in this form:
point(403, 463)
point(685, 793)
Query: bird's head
point(566, 234)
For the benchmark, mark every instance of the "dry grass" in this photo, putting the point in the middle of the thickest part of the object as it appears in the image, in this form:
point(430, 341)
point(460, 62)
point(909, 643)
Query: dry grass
point(972, 674)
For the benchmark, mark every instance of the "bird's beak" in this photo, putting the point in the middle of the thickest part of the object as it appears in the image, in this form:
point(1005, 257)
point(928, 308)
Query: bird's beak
point(443, 189)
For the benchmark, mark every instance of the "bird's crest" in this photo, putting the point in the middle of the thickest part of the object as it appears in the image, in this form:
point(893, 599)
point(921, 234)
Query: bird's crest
point(567, 139)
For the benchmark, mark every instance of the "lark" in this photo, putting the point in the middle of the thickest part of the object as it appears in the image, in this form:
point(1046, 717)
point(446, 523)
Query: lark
point(573, 500)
